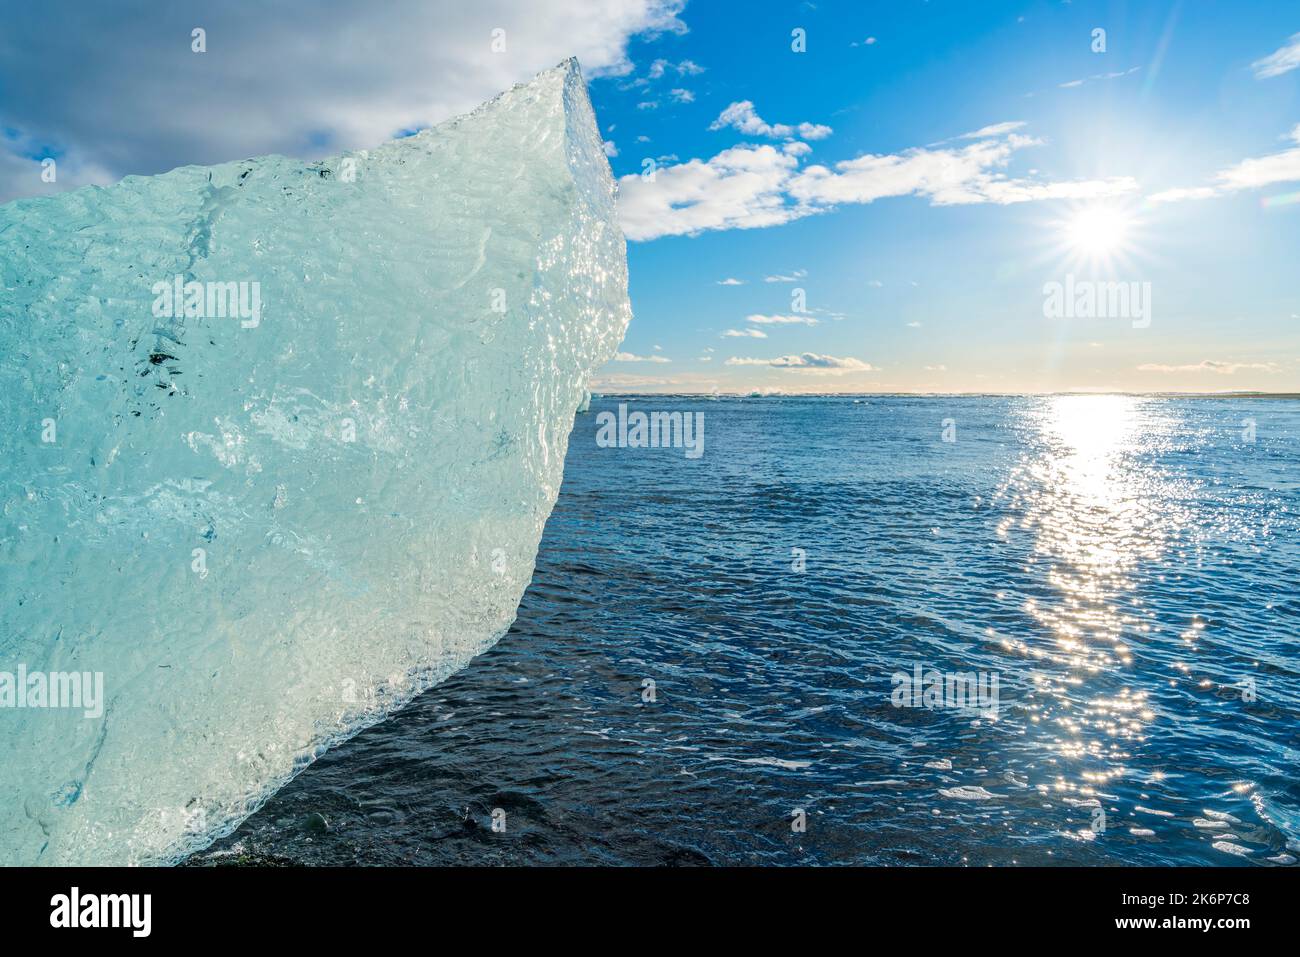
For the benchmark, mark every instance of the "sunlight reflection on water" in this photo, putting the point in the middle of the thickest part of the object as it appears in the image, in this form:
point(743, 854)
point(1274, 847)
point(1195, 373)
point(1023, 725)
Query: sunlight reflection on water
point(1097, 510)
point(1120, 563)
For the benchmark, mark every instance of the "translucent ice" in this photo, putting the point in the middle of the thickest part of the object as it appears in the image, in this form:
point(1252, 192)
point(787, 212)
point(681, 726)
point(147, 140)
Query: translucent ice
point(279, 443)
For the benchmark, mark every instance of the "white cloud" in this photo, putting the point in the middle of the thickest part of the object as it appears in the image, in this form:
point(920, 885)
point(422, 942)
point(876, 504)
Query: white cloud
point(809, 362)
point(747, 187)
point(996, 129)
point(648, 105)
point(20, 175)
point(1178, 195)
point(619, 381)
point(741, 115)
point(1070, 84)
point(1005, 192)
point(630, 357)
point(685, 68)
point(744, 333)
point(740, 188)
point(299, 77)
point(947, 177)
point(781, 320)
point(682, 96)
point(1283, 167)
point(1282, 61)
point(610, 149)
point(731, 282)
point(793, 277)
point(1211, 365)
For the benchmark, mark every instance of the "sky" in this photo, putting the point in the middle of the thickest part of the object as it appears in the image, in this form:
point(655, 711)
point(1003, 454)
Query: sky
point(900, 196)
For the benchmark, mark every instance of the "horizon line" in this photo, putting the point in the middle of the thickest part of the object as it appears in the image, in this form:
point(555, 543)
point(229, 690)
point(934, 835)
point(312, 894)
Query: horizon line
point(756, 394)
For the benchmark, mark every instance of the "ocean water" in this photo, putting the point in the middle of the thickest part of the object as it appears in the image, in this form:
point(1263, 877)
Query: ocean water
point(1125, 569)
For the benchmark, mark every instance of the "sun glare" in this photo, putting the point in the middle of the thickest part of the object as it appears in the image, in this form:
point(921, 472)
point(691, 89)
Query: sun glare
point(1098, 232)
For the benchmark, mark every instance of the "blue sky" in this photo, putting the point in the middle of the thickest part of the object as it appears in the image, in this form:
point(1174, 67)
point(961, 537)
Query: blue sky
point(949, 297)
point(920, 174)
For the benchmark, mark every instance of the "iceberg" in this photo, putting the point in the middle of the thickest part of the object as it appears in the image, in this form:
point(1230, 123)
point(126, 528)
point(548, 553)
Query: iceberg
point(280, 442)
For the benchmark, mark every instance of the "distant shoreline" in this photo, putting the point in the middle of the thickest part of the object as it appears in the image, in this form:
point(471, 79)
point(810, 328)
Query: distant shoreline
point(944, 395)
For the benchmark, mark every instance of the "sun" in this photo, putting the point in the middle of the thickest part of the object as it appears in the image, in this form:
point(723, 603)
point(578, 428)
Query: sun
point(1098, 232)
point(1098, 236)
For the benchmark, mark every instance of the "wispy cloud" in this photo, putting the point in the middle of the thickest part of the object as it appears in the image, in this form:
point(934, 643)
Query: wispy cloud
point(1211, 365)
point(947, 177)
point(808, 362)
point(1282, 61)
point(781, 320)
point(683, 68)
point(631, 357)
point(618, 381)
point(731, 282)
point(744, 334)
point(997, 129)
point(743, 117)
point(792, 277)
point(1070, 84)
point(1282, 167)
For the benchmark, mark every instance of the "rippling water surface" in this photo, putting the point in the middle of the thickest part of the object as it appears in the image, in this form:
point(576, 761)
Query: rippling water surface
point(1125, 568)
